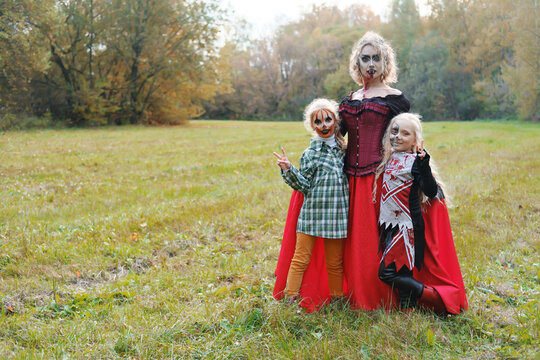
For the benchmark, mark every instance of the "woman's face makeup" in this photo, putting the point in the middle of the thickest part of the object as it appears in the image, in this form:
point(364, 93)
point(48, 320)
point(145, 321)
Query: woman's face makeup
point(323, 123)
point(403, 136)
point(370, 63)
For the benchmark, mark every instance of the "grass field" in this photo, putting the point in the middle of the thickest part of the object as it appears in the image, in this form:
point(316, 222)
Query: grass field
point(146, 243)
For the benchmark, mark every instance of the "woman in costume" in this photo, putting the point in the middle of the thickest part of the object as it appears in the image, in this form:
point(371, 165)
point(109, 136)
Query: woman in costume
point(365, 115)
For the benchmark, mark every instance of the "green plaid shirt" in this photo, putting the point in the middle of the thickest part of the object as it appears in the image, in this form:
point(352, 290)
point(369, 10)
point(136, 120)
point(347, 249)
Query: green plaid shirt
point(325, 187)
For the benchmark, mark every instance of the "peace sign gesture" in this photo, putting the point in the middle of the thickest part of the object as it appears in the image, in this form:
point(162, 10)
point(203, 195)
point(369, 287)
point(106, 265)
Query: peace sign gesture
point(420, 150)
point(282, 161)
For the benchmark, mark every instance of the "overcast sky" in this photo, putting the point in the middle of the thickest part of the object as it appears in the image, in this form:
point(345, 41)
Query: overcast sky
point(264, 15)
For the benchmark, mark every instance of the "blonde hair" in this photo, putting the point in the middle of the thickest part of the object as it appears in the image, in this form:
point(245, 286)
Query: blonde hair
point(387, 153)
point(331, 107)
point(390, 69)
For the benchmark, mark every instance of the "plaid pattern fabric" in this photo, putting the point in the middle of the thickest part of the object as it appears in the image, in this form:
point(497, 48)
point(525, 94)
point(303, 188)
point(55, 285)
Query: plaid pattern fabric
point(325, 187)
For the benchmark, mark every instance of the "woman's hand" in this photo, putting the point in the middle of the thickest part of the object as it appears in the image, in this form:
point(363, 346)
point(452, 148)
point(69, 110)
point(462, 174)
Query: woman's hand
point(282, 161)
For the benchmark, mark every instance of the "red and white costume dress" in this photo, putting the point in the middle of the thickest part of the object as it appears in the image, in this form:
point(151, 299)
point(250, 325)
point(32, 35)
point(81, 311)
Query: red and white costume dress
point(395, 215)
point(418, 254)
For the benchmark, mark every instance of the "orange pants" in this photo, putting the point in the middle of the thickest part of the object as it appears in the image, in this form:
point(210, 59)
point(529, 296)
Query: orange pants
point(333, 254)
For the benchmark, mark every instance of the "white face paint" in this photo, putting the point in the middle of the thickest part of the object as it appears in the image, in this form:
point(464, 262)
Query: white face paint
point(393, 132)
point(370, 63)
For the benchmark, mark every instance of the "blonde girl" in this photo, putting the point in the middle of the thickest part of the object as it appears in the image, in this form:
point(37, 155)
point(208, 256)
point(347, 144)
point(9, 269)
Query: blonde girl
point(408, 181)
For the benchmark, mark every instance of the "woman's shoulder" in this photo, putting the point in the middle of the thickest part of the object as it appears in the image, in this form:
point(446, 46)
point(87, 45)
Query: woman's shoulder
point(400, 103)
point(392, 91)
point(396, 101)
point(388, 92)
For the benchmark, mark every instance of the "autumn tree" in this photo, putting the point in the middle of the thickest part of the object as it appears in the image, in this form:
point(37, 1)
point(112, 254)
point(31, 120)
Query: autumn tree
point(403, 29)
point(274, 78)
point(479, 40)
point(93, 62)
point(111, 61)
point(437, 90)
point(67, 30)
point(522, 71)
point(23, 56)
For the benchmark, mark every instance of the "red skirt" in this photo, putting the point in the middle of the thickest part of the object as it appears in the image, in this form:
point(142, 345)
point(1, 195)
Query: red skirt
point(314, 290)
point(441, 267)
point(361, 257)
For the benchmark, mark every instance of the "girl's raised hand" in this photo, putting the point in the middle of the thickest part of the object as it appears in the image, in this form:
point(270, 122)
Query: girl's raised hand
point(420, 150)
point(282, 161)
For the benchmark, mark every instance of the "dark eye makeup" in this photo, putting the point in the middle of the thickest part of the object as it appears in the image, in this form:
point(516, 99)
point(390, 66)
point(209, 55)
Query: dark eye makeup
point(366, 58)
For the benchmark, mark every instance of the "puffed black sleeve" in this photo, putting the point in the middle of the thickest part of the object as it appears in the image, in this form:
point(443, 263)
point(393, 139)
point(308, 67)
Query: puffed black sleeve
point(426, 181)
point(398, 104)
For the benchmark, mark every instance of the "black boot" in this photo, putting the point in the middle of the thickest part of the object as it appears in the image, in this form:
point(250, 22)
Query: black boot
point(409, 288)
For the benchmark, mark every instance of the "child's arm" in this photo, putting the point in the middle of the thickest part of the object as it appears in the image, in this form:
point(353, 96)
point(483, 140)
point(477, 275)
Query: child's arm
point(300, 179)
point(426, 181)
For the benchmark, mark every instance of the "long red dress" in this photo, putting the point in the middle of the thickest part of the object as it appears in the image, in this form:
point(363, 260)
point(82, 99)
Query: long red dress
point(441, 267)
point(365, 121)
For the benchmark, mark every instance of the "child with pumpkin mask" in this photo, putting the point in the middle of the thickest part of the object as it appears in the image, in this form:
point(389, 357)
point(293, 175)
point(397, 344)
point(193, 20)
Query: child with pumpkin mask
point(320, 178)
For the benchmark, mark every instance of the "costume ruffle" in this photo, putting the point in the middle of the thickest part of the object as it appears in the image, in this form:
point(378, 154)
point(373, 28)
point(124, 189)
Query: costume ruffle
point(355, 110)
point(399, 248)
point(396, 103)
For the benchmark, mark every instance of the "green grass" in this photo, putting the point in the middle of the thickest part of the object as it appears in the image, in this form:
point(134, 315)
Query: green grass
point(144, 243)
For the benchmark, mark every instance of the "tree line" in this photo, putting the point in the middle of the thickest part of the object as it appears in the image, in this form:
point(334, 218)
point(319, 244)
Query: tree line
point(94, 62)
point(467, 59)
point(97, 62)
